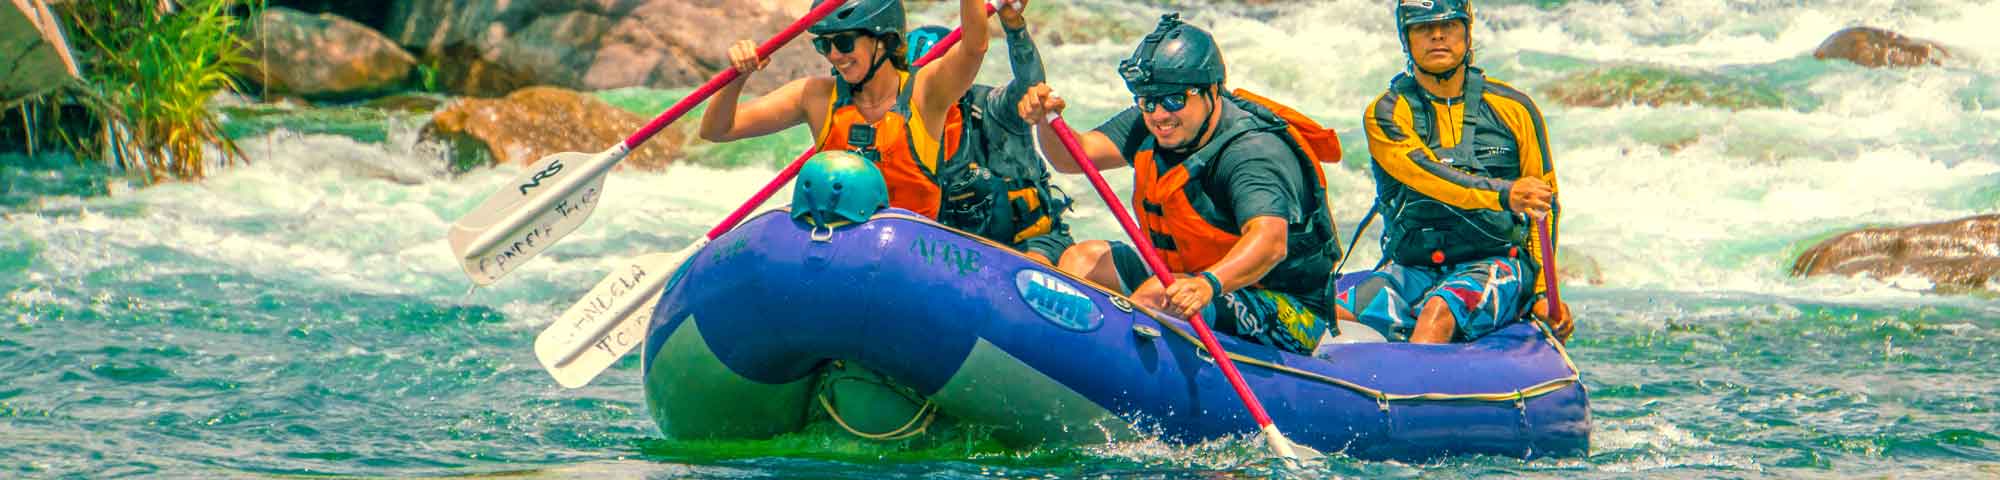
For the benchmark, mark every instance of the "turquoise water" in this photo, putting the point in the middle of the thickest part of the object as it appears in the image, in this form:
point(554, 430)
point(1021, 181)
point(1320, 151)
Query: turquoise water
point(301, 314)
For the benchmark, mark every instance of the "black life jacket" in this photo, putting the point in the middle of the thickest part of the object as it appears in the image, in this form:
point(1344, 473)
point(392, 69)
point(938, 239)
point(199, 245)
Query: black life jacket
point(1419, 230)
point(996, 187)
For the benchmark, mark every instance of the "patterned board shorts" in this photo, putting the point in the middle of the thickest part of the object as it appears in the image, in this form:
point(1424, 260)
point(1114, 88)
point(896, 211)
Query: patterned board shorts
point(1483, 296)
point(1260, 315)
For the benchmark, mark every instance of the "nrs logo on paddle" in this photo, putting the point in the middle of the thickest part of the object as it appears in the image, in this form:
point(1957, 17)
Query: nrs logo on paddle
point(554, 168)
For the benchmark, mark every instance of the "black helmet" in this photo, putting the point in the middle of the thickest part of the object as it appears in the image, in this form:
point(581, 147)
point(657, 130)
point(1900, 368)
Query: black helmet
point(1413, 12)
point(877, 17)
point(1174, 57)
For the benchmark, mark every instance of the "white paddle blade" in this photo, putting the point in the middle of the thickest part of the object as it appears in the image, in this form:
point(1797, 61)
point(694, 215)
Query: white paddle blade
point(516, 236)
point(609, 321)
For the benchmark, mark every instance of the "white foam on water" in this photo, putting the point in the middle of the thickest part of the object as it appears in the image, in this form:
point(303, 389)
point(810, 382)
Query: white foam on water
point(326, 211)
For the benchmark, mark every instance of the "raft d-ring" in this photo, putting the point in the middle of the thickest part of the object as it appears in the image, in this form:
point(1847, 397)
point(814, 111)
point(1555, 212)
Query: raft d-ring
point(1145, 332)
point(819, 237)
point(1382, 402)
point(1202, 353)
point(1122, 305)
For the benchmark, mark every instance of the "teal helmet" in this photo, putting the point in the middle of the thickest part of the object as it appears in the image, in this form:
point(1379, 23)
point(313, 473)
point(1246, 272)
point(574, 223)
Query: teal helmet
point(921, 41)
point(1173, 58)
point(1415, 12)
point(877, 17)
point(837, 186)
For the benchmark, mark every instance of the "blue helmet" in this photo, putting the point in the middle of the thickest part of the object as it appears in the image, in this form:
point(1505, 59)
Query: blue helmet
point(921, 41)
point(1414, 12)
point(838, 186)
point(1173, 58)
point(877, 17)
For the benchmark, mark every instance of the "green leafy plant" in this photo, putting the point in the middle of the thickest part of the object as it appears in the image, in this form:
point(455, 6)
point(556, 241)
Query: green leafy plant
point(152, 69)
point(427, 73)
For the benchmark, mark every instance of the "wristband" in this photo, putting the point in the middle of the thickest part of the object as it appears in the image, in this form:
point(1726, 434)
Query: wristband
point(1213, 283)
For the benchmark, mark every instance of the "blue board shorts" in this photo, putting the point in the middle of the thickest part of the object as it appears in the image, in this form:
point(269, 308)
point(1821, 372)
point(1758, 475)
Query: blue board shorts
point(1483, 296)
point(1260, 315)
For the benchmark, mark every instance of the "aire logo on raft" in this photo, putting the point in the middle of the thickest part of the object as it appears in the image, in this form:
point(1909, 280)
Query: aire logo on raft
point(1057, 301)
point(964, 261)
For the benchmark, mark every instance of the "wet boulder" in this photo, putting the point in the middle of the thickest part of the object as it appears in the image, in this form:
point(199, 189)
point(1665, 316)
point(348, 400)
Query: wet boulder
point(1875, 48)
point(37, 58)
point(1957, 255)
point(491, 48)
point(322, 56)
point(1651, 85)
point(535, 122)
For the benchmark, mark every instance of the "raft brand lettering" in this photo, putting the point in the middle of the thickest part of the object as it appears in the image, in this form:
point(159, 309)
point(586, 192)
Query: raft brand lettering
point(554, 168)
point(731, 250)
point(1057, 301)
point(963, 260)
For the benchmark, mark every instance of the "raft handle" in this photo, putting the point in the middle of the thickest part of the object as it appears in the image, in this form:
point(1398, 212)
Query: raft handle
point(1145, 332)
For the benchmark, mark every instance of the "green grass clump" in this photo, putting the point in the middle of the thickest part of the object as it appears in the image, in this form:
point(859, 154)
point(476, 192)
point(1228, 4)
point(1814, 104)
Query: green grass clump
point(151, 67)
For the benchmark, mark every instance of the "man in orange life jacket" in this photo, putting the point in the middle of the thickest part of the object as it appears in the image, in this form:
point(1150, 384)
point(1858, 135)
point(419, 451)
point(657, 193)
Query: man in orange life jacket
point(872, 103)
point(1223, 186)
point(1459, 161)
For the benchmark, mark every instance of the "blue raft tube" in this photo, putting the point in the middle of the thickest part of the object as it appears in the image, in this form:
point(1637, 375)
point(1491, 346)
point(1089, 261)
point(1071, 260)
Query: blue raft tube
point(889, 324)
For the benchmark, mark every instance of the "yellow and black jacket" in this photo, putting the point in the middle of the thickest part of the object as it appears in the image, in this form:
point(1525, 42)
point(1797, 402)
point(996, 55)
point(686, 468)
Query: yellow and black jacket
point(1444, 198)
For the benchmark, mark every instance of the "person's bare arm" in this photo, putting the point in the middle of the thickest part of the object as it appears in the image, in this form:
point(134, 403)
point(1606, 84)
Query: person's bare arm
point(727, 120)
point(1036, 104)
point(940, 84)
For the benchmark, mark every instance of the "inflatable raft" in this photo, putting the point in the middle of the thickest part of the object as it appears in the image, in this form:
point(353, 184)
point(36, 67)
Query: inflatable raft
point(889, 325)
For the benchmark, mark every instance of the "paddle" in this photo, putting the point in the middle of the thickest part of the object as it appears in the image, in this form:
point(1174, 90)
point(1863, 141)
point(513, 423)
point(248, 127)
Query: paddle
point(611, 319)
point(1279, 444)
point(1546, 234)
point(555, 194)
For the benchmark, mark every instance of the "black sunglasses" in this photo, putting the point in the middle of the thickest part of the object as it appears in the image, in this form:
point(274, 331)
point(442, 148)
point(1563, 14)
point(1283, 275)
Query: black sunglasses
point(1173, 102)
point(843, 41)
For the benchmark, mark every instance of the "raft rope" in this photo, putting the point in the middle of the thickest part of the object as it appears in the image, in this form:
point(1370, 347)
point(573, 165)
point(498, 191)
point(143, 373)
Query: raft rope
point(925, 415)
point(918, 423)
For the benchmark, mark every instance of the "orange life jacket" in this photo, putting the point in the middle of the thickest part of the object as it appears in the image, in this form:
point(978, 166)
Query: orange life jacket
point(908, 166)
point(1186, 240)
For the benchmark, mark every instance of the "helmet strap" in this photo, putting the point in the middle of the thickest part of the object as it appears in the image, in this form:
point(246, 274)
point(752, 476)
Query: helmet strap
point(881, 56)
point(1444, 76)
